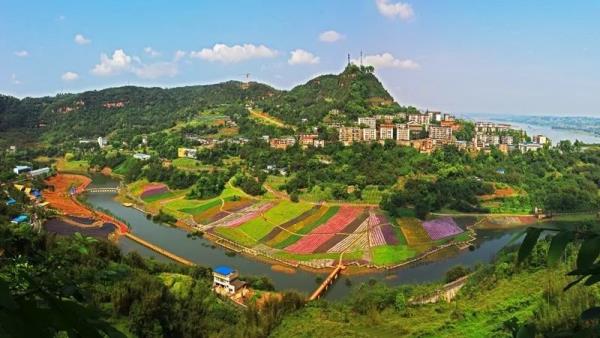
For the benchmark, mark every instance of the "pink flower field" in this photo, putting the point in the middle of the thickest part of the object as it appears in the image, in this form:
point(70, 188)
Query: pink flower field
point(441, 228)
point(246, 217)
point(154, 189)
point(323, 233)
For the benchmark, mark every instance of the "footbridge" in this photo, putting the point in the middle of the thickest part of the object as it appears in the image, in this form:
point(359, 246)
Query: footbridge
point(115, 189)
point(327, 282)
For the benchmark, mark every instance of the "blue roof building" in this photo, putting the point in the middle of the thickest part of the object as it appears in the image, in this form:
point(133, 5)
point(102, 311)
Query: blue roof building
point(225, 280)
point(20, 219)
point(224, 270)
point(11, 201)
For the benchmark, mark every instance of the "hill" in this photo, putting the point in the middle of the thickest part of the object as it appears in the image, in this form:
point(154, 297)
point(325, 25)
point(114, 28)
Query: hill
point(135, 110)
point(354, 92)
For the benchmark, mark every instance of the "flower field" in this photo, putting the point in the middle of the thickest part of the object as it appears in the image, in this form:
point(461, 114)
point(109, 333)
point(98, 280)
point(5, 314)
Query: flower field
point(441, 228)
point(323, 233)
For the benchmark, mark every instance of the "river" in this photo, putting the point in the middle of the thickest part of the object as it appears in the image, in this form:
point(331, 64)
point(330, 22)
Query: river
point(555, 135)
point(205, 253)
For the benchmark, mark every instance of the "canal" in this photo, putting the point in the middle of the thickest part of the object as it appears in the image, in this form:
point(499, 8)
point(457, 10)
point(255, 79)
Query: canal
point(205, 253)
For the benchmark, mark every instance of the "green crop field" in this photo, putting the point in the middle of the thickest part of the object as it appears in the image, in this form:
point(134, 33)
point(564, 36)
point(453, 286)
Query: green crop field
point(236, 235)
point(185, 163)
point(122, 168)
point(201, 208)
point(391, 254)
point(282, 212)
point(158, 197)
point(322, 255)
point(308, 228)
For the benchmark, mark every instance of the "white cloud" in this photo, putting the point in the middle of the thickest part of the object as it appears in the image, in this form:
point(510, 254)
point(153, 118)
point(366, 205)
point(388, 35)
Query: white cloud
point(81, 40)
point(232, 54)
point(150, 51)
point(70, 76)
point(116, 64)
point(61, 18)
point(14, 80)
point(300, 56)
point(400, 10)
point(387, 60)
point(22, 53)
point(330, 36)
point(156, 70)
point(179, 55)
point(120, 62)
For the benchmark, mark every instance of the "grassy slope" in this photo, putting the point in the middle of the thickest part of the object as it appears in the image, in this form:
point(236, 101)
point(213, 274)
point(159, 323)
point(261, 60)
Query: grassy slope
point(479, 316)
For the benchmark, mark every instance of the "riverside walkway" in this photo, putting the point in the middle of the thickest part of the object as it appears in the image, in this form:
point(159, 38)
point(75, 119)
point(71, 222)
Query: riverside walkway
point(159, 250)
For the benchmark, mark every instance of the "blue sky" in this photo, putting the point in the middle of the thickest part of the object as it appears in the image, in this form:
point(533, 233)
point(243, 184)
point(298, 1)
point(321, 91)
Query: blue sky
point(518, 57)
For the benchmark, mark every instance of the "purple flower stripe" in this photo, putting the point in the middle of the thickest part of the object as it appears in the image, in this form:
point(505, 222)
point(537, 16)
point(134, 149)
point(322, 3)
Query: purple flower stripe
point(389, 234)
point(441, 228)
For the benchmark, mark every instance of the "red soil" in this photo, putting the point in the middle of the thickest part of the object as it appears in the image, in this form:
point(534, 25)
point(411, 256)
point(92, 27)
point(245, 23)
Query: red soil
point(60, 198)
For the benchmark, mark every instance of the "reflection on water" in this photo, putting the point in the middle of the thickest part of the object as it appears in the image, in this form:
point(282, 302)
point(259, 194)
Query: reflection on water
point(206, 253)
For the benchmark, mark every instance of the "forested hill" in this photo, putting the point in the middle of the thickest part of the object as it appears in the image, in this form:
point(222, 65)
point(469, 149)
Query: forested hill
point(101, 112)
point(354, 92)
point(343, 97)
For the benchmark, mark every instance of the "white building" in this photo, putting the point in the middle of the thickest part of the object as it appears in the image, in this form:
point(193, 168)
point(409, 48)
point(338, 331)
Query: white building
point(419, 118)
point(370, 122)
point(21, 169)
point(386, 132)
point(41, 171)
point(540, 139)
point(440, 133)
point(225, 280)
point(102, 142)
point(525, 147)
point(369, 134)
point(506, 139)
point(140, 156)
point(402, 132)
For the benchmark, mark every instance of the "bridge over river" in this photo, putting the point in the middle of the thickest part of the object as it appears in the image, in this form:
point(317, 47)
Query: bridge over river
point(113, 190)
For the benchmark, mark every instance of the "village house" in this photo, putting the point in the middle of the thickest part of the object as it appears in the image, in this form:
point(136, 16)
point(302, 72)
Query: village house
point(282, 143)
point(187, 152)
point(225, 281)
point(307, 139)
point(142, 157)
point(102, 142)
